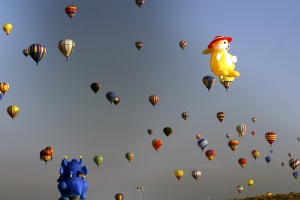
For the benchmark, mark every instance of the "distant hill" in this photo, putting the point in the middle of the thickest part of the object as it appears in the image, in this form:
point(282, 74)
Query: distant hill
point(269, 196)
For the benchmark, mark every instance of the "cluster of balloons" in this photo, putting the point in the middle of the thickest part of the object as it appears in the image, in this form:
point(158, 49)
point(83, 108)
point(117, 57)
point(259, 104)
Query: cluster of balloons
point(179, 174)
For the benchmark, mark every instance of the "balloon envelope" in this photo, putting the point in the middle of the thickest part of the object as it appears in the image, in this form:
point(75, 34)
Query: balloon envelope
point(233, 144)
point(13, 111)
point(242, 162)
point(179, 174)
point(139, 45)
point(71, 10)
point(37, 52)
point(196, 174)
point(270, 137)
point(153, 99)
point(202, 143)
point(98, 160)
point(7, 28)
point(95, 87)
point(294, 163)
point(66, 47)
point(182, 44)
point(156, 143)
point(220, 116)
point(111, 96)
point(129, 156)
point(208, 81)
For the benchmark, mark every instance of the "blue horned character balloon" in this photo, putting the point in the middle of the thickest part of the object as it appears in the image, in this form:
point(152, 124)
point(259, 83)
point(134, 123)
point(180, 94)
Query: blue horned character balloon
point(71, 183)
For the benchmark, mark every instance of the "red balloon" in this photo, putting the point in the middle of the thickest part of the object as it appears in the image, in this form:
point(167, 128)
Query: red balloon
point(156, 143)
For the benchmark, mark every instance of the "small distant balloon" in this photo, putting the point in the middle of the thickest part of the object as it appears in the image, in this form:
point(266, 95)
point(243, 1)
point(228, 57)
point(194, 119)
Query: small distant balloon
point(233, 144)
point(71, 10)
point(13, 111)
point(7, 28)
point(202, 143)
point(295, 174)
point(268, 159)
point(182, 44)
point(111, 96)
point(228, 136)
point(290, 154)
point(208, 81)
point(95, 87)
point(157, 143)
point(129, 156)
point(139, 3)
point(270, 137)
point(150, 131)
point(119, 196)
point(198, 136)
point(240, 188)
point(242, 162)
point(253, 119)
point(4, 87)
point(220, 116)
point(210, 154)
point(153, 99)
point(179, 174)
point(255, 154)
point(116, 100)
point(168, 131)
point(98, 160)
point(196, 174)
point(253, 133)
point(294, 163)
point(25, 52)
point(250, 182)
point(241, 129)
point(139, 45)
point(185, 115)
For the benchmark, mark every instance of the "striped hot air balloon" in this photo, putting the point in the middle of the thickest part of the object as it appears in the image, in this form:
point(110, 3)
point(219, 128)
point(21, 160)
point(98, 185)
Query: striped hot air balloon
point(182, 44)
point(185, 115)
point(129, 156)
point(139, 45)
point(196, 174)
point(220, 116)
point(71, 10)
point(241, 129)
point(13, 111)
point(270, 137)
point(153, 99)
point(226, 81)
point(233, 144)
point(37, 52)
point(139, 3)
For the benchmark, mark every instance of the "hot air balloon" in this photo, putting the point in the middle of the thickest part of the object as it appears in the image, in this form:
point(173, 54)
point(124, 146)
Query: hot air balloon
point(253, 133)
point(119, 196)
point(269, 194)
point(139, 45)
point(220, 116)
point(250, 182)
point(185, 115)
point(290, 154)
point(150, 131)
point(66, 47)
point(242, 162)
point(25, 52)
point(168, 131)
point(95, 87)
point(70, 11)
point(253, 119)
point(139, 3)
point(295, 174)
point(98, 160)
point(37, 52)
point(210, 154)
point(270, 137)
point(116, 100)
point(282, 164)
point(46, 155)
point(268, 159)
point(156, 143)
point(240, 188)
point(182, 44)
point(202, 143)
point(298, 138)
point(241, 129)
point(179, 173)
point(153, 99)
point(208, 81)
point(271, 151)
point(294, 163)
point(111, 96)
point(255, 154)
point(226, 81)
point(7, 28)
point(129, 156)
point(233, 144)
point(13, 111)
point(228, 136)
point(198, 136)
point(4, 87)
point(1, 95)
point(196, 174)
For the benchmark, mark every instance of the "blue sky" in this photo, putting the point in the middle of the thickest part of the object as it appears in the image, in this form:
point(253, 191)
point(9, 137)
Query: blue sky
point(58, 108)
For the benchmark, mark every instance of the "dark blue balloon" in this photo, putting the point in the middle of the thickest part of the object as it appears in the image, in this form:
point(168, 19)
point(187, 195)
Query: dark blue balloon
point(111, 96)
point(208, 81)
point(202, 143)
point(1, 95)
point(268, 159)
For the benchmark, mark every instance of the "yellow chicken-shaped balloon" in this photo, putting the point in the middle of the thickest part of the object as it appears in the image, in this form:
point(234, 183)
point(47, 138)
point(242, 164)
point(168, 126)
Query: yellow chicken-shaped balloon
point(221, 62)
point(7, 28)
